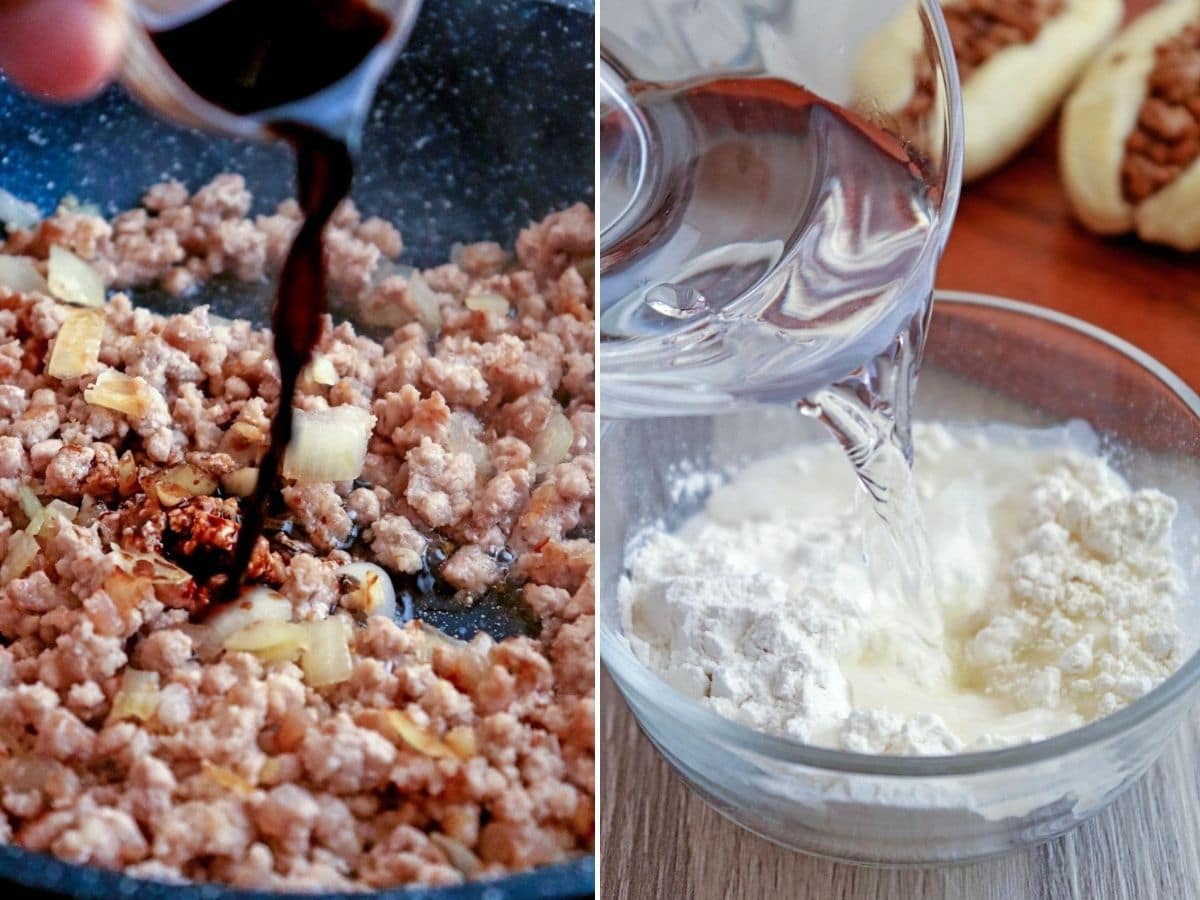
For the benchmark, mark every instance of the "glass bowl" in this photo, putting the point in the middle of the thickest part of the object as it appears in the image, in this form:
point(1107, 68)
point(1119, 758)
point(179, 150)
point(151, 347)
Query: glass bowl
point(987, 360)
point(457, 148)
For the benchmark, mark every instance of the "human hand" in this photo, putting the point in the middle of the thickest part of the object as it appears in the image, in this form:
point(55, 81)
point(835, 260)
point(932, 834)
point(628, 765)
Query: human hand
point(61, 49)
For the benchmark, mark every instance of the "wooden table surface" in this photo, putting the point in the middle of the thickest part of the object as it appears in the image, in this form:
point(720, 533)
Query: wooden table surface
point(1013, 237)
point(658, 841)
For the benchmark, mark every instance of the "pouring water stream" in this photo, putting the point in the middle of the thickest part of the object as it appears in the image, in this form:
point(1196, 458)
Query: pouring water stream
point(758, 246)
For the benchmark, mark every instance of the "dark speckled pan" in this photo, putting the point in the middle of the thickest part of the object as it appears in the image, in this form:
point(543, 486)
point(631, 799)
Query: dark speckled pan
point(485, 124)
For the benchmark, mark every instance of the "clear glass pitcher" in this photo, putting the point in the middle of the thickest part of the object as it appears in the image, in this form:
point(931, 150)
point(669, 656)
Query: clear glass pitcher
point(753, 245)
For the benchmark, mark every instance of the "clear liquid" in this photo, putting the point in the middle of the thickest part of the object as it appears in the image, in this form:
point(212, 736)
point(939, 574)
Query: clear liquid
point(758, 244)
point(869, 413)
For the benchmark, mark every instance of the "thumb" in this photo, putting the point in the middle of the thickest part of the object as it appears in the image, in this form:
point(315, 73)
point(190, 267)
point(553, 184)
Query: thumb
point(61, 49)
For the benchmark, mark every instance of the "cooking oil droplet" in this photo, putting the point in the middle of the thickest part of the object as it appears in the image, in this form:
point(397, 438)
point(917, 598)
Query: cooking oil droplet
point(677, 301)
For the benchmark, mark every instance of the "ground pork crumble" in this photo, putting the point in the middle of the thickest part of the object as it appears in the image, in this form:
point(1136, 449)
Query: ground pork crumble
point(1167, 137)
point(131, 740)
point(979, 29)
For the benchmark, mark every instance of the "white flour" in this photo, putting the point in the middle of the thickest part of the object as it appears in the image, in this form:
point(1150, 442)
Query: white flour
point(1056, 599)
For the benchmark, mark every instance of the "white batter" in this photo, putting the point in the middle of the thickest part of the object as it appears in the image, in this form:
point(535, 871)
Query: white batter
point(1055, 599)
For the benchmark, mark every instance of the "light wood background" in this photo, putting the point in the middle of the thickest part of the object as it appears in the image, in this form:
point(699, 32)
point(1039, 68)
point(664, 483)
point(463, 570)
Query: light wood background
point(1013, 237)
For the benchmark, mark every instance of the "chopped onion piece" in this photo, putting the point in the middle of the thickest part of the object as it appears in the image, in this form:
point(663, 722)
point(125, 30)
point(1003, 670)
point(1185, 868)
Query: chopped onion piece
point(287, 652)
point(127, 474)
point(270, 640)
point(553, 442)
point(412, 734)
point(329, 444)
point(488, 303)
point(124, 393)
point(461, 739)
point(470, 657)
point(227, 778)
point(169, 494)
point(22, 549)
point(270, 771)
point(36, 522)
point(150, 566)
point(461, 438)
point(241, 482)
point(137, 697)
point(372, 593)
point(77, 346)
point(429, 310)
point(321, 370)
point(327, 659)
point(127, 591)
point(243, 441)
point(89, 510)
point(54, 510)
point(72, 280)
point(16, 213)
point(246, 432)
point(457, 854)
point(18, 273)
point(62, 508)
point(432, 638)
point(30, 504)
point(182, 483)
point(257, 605)
point(196, 482)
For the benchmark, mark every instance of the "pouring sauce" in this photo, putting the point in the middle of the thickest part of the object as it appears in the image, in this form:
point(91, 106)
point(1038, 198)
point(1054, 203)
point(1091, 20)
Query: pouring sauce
point(256, 57)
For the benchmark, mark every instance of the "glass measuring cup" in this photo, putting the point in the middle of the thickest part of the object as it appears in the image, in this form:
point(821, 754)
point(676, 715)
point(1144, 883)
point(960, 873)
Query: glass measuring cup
point(761, 267)
point(338, 109)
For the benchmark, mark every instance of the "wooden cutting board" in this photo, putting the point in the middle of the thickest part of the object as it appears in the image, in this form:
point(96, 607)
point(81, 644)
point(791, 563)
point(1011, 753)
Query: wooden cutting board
point(1013, 237)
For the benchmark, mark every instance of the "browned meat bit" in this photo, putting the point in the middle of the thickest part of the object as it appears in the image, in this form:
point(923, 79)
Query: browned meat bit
point(925, 90)
point(979, 29)
point(200, 535)
point(1167, 137)
point(200, 525)
point(103, 480)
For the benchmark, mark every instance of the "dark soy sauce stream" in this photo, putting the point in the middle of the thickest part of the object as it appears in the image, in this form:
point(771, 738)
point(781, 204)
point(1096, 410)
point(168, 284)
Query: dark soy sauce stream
point(324, 171)
point(249, 57)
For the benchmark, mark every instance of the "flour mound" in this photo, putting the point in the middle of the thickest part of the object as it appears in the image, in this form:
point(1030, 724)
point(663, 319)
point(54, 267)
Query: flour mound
point(1057, 594)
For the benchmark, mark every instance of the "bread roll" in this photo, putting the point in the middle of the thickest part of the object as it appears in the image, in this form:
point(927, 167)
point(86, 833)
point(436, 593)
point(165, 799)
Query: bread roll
point(1130, 143)
point(1017, 60)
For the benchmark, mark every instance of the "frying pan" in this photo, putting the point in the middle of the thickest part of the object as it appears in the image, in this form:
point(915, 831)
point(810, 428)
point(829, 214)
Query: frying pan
point(484, 125)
